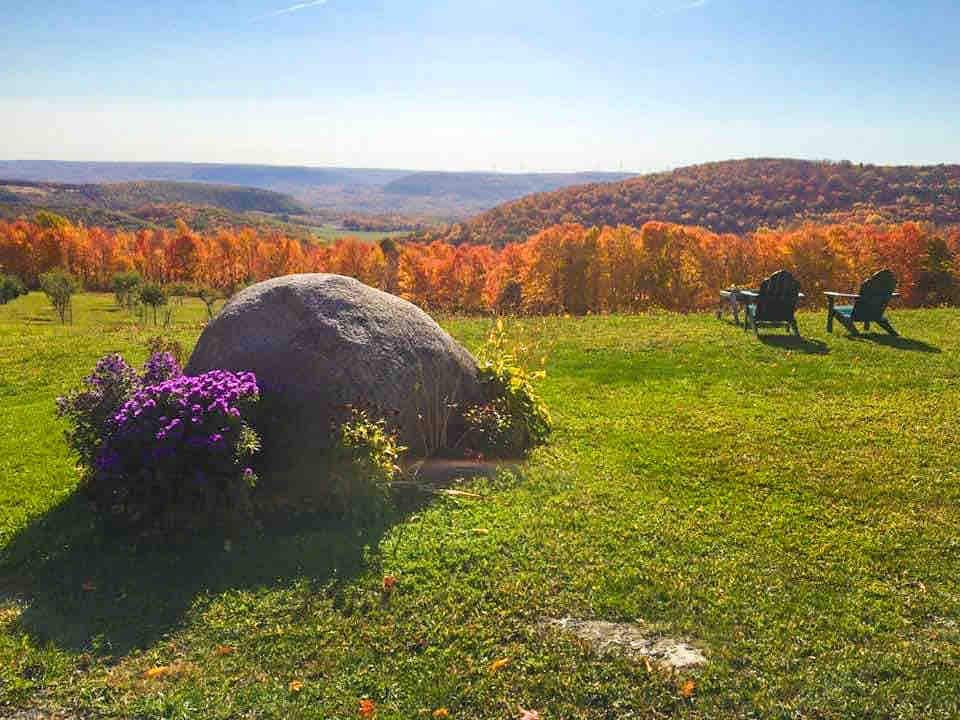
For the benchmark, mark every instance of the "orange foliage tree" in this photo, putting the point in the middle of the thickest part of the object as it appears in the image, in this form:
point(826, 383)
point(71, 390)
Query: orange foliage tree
point(567, 268)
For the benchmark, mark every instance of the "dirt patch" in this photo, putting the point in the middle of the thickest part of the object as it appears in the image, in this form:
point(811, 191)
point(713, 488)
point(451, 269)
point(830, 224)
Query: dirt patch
point(632, 640)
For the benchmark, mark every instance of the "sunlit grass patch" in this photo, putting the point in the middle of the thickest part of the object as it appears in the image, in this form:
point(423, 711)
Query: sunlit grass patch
point(791, 507)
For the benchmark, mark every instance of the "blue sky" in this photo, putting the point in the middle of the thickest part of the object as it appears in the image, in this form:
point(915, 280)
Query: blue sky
point(522, 85)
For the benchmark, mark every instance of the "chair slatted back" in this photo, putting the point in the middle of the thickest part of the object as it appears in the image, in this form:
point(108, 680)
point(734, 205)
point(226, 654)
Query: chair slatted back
point(778, 297)
point(875, 294)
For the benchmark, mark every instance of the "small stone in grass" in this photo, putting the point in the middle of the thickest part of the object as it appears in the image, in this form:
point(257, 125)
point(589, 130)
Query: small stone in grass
point(633, 640)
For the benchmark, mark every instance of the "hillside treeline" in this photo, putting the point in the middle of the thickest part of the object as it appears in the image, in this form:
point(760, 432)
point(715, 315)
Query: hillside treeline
point(567, 268)
point(738, 196)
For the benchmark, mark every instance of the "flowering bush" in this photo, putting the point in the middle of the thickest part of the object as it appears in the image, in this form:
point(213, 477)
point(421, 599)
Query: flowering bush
point(164, 451)
point(160, 367)
point(161, 344)
point(90, 409)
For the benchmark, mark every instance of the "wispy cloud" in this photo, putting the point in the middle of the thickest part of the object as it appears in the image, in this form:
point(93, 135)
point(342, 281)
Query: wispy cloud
point(297, 7)
point(675, 7)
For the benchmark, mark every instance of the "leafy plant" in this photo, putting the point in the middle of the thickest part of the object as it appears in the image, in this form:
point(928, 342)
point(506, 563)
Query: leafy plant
point(512, 419)
point(364, 463)
point(11, 288)
point(59, 286)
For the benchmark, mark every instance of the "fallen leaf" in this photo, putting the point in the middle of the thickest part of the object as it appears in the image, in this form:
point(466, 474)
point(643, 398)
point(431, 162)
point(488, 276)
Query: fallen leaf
point(222, 650)
point(441, 713)
point(389, 583)
point(529, 715)
point(687, 688)
point(157, 672)
point(500, 664)
point(367, 708)
point(295, 686)
point(647, 664)
point(481, 531)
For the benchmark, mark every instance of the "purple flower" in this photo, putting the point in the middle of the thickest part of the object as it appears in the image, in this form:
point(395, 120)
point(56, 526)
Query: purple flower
point(160, 368)
point(162, 427)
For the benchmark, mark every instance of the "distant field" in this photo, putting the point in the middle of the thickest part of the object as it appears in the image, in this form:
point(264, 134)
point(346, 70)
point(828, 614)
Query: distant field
point(791, 507)
point(329, 233)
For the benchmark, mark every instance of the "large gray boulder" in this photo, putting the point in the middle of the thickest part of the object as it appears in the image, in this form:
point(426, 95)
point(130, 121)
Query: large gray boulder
point(319, 342)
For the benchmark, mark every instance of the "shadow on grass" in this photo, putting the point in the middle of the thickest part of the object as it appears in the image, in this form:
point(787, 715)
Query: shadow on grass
point(796, 344)
point(90, 591)
point(897, 342)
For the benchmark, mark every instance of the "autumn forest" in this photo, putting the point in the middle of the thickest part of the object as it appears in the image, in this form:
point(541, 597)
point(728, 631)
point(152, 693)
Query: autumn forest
point(566, 268)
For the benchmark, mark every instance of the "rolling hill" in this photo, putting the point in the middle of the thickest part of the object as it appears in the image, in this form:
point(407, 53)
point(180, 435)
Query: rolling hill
point(337, 192)
point(132, 205)
point(733, 196)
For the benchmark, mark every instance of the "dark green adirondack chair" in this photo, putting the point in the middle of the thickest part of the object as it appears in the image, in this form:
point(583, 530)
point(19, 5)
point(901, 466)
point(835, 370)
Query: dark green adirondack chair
point(869, 305)
point(775, 303)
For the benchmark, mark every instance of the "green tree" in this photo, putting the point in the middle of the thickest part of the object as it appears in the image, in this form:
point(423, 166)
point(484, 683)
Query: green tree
point(126, 288)
point(936, 281)
point(209, 296)
point(50, 221)
point(11, 288)
point(152, 296)
point(59, 286)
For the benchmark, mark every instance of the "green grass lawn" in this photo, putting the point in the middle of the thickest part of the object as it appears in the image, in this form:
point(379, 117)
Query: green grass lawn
point(330, 233)
point(791, 508)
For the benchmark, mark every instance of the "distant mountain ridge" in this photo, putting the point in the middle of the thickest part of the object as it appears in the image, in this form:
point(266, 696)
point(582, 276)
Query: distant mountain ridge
point(132, 205)
point(488, 187)
point(732, 196)
point(335, 191)
point(262, 176)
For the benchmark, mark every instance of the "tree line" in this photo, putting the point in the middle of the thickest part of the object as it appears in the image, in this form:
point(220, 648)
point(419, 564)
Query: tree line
point(737, 196)
point(567, 268)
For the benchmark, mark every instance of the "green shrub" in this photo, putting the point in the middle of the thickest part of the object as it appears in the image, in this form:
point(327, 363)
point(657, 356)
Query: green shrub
point(363, 465)
point(126, 289)
point(512, 419)
point(60, 286)
point(11, 288)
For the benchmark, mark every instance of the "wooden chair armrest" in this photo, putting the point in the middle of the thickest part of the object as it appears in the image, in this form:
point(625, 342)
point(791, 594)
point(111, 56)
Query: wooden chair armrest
point(841, 295)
